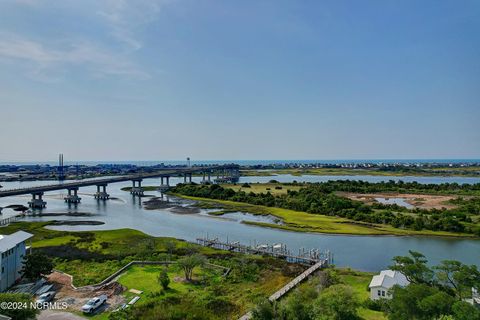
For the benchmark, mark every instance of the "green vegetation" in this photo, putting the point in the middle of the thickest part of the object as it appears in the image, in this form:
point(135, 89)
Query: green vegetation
point(399, 187)
point(433, 292)
point(208, 294)
point(273, 188)
point(195, 289)
point(311, 201)
point(36, 265)
point(188, 263)
point(25, 312)
point(330, 294)
point(164, 279)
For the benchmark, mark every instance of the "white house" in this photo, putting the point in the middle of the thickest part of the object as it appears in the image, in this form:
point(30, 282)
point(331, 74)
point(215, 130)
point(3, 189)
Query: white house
point(475, 300)
point(382, 282)
point(12, 249)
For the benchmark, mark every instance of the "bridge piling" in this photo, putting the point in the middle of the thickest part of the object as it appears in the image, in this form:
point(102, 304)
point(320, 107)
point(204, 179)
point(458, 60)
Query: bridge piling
point(137, 190)
point(37, 203)
point(166, 173)
point(102, 195)
point(163, 187)
point(72, 198)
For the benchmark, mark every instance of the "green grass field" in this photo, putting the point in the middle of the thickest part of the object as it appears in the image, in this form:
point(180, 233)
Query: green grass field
point(145, 279)
point(359, 282)
point(92, 256)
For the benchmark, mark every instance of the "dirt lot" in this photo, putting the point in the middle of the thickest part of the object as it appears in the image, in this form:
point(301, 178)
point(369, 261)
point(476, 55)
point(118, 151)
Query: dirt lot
point(422, 201)
point(76, 298)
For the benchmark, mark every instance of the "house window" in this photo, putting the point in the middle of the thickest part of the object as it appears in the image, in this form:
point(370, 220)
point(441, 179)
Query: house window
point(383, 293)
point(378, 293)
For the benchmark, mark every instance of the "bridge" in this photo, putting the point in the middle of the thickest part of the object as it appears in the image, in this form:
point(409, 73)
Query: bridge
point(224, 173)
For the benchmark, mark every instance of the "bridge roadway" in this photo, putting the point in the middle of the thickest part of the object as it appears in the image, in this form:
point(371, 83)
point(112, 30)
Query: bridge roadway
point(136, 177)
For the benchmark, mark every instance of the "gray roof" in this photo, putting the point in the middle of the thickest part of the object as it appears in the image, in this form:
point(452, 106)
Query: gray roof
point(10, 241)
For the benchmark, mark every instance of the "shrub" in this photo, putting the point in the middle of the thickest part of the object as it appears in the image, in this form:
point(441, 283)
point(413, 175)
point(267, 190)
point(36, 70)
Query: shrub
point(163, 279)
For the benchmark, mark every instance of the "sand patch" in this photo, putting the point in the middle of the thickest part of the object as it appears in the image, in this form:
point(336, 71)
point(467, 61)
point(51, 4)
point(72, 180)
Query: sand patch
point(422, 201)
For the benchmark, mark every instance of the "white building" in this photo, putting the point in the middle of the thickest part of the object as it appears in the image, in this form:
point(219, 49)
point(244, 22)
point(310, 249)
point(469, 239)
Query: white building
point(475, 300)
point(12, 249)
point(381, 283)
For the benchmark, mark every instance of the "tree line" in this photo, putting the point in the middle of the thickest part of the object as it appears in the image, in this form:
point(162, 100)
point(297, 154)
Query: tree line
point(434, 293)
point(320, 198)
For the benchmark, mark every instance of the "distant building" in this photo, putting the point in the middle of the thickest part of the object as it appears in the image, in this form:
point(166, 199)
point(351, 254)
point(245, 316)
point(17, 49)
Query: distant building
point(475, 300)
point(12, 249)
point(382, 282)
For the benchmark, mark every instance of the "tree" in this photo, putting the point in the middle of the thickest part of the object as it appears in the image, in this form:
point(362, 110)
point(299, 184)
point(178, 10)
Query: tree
point(299, 305)
point(18, 313)
point(328, 277)
point(458, 276)
point(170, 246)
point(36, 265)
point(437, 304)
point(414, 267)
point(337, 302)
point(464, 311)
point(418, 301)
point(188, 263)
point(163, 279)
point(264, 311)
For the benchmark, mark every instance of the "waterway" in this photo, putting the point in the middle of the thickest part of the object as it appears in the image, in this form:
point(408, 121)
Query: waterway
point(398, 201)
point(370, 253)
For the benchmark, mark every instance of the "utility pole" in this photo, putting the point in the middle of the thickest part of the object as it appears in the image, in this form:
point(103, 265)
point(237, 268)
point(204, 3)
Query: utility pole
point(60, 170)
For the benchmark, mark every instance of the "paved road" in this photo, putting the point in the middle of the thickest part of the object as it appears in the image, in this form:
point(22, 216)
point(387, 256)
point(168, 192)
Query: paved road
point(93, 182)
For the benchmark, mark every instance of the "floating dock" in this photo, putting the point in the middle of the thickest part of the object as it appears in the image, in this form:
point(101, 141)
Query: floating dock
point(278, 250)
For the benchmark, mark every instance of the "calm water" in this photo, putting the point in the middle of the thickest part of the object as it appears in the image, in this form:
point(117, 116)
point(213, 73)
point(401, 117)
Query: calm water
point(398, 201)
point(360, 252)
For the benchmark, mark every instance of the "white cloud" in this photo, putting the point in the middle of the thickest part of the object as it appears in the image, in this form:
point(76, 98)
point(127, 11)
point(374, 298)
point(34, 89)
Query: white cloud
point(47, 59)
point(124, 17)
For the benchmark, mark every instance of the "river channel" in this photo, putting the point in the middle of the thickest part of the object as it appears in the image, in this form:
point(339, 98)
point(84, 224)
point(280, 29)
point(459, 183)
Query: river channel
point(369, 253)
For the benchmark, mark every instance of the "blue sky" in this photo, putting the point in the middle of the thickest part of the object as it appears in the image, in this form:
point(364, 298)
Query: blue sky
point(167, 79)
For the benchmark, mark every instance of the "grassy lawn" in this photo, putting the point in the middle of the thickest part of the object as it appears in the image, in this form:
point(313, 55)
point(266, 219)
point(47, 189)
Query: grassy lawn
point(91, 256)
point(145, 279)
point(359, 282)
point(306, 222)
point(243, 293)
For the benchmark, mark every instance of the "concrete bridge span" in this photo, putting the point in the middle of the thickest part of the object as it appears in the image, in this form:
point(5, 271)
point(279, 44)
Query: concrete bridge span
point(226, 172)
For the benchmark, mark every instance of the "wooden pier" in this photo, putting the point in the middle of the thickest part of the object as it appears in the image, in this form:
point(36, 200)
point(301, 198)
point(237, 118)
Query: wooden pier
point(278, 250)
point(314, 258)
point(6, 221)
point(292, 284)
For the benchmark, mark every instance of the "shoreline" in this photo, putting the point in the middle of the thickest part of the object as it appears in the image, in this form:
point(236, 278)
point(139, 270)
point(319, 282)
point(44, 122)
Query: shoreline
point(287, 226)
point(349, 172)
